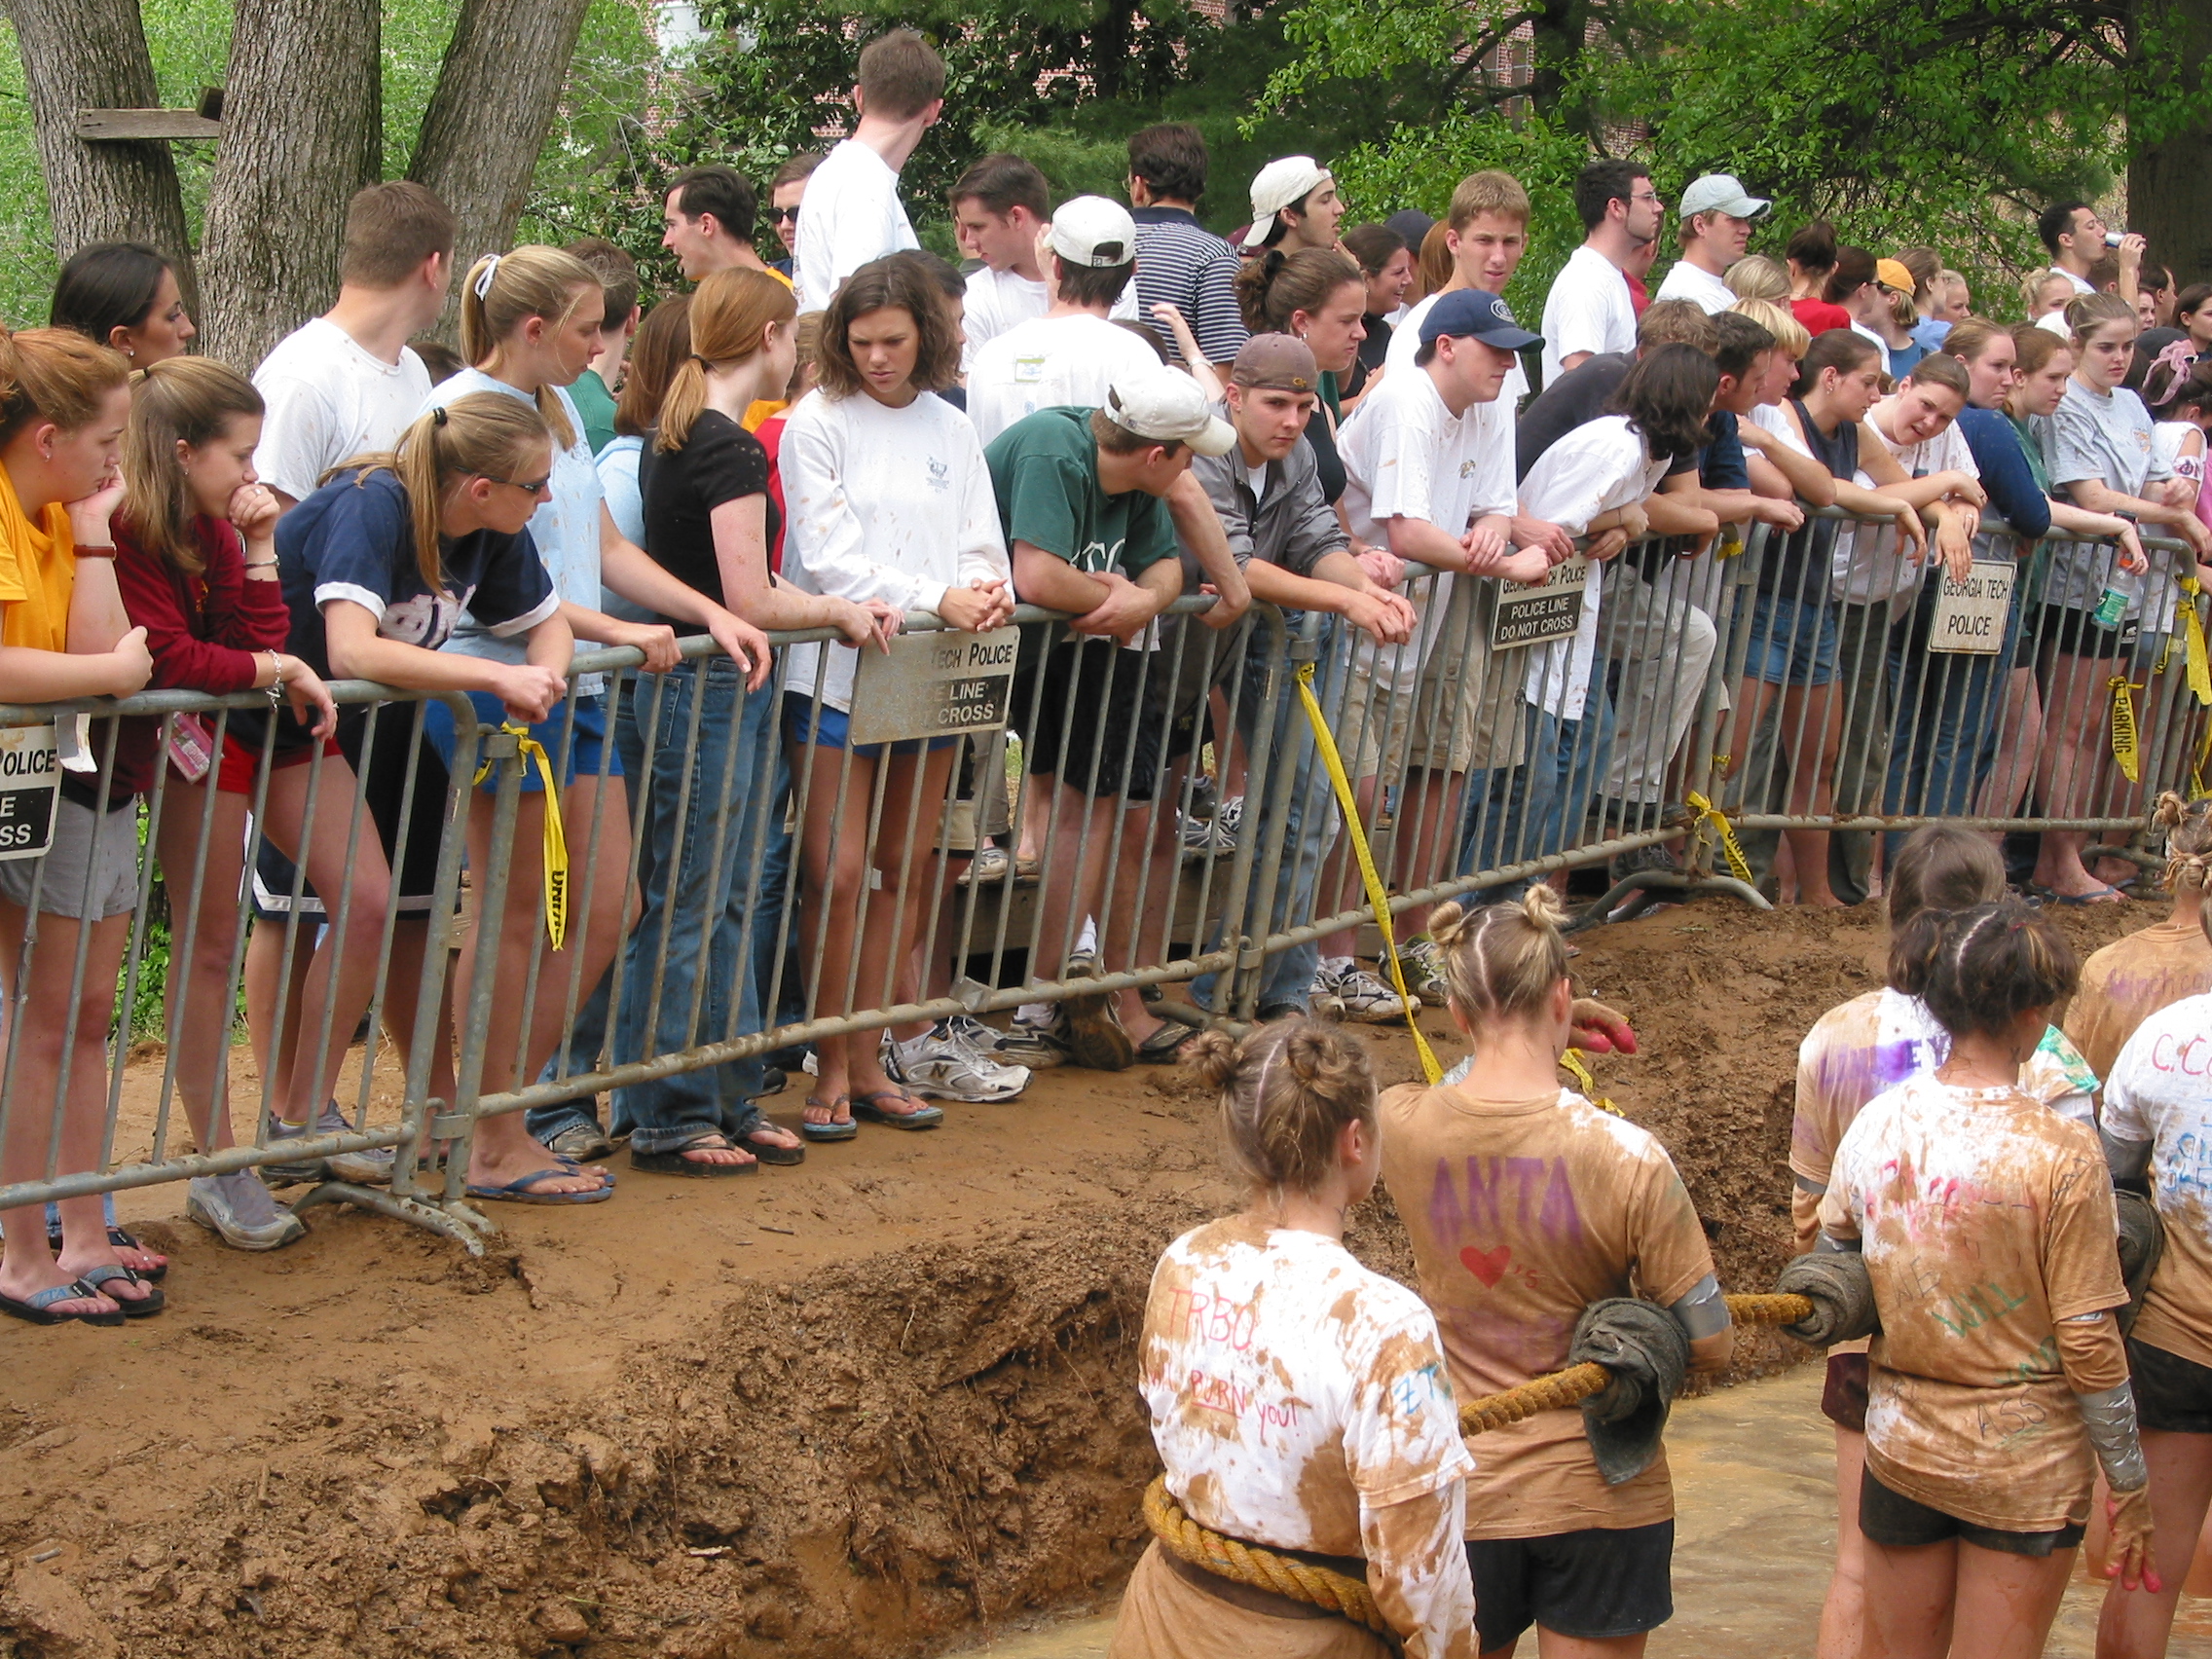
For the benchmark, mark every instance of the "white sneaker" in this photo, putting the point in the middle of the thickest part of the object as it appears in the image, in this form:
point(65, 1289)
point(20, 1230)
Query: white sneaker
point(1423, 968)
point(1322, 1001)
point(1368, 999)
point(939, 1064)
point(1032, 1046)
point(238, 1209)
point(976, 1037)
point(1228, 818)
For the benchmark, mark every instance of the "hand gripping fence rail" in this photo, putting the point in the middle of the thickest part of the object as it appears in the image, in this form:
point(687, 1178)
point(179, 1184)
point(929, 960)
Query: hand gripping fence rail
point(1020, 823)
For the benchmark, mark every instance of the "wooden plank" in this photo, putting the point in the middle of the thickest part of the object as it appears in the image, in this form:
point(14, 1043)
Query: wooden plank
point(133, 126)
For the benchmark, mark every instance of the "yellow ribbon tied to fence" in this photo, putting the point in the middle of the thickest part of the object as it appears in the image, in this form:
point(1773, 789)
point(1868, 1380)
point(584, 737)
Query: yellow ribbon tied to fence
point(2124, 735)
point(1738, 866)
point(2192, 635)
point(556, 859)
point(1326, 743)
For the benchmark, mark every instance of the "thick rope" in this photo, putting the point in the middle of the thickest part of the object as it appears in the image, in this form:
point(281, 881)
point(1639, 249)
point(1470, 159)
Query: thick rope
point(1262, 1568)
point(1578, 1382)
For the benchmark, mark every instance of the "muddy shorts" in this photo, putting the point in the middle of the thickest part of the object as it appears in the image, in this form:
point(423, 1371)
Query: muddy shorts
point(1843, 1396)
point(2173, 1395)
point(1595, 1584)
point(1889, 1518)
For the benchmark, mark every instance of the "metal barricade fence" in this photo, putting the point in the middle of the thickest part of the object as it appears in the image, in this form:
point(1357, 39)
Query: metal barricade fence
point(757, 881)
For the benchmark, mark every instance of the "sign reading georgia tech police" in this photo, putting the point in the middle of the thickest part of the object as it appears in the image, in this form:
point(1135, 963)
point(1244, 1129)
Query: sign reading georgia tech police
point(934, 685)
point(30, 778)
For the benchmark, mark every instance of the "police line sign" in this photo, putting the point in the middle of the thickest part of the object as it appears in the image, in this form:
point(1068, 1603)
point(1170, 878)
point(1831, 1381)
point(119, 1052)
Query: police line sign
point(1539, 615)
point(1970, 616)
point(30, 778)
point(935, 685)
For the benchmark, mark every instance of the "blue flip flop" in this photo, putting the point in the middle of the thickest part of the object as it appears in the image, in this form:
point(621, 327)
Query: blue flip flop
point(921, 1118)
point(829, 1131)
point(133, 1307)
point(38, 1307)
point(516, 1192)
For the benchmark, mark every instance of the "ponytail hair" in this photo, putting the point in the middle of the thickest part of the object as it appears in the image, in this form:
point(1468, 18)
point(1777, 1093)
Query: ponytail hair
point(1271, 286)
point(663, 343)
point(1501, 960)
point(485, 435)
point(1941, 867)
point(731, 313)
point(505, 290)
point(188, 401)
point(1941, 368)
point(2086, 314)
point(2187, 825)
point(1979, 969)
point(1843, 350)
point(57, 375)
point(1286, 1093)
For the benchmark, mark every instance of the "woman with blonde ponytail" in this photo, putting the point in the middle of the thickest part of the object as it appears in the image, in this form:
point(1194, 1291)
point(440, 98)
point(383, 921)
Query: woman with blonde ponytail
point(378, 567)
point(2132, 977)
point(530, 324)
point(1526, 1203)
point(1297, 1399)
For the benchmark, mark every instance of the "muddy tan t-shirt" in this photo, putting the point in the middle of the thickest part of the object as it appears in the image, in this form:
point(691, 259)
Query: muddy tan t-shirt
point(1985, 1219)
point(2131, 980)
point(2160, 1092)
point(1522, 1213)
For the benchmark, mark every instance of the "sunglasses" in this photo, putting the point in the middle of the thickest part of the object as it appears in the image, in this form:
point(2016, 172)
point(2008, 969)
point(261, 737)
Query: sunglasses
point(522, 483)
point(778, 215)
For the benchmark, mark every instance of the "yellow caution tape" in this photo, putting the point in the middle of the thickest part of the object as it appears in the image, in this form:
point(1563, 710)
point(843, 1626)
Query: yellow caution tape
point(1573, 1061)
point(2197, 788)
point(555, 840)
point(1738, 866)
point(2192, 635)
point(1326, 743)
point(2124, 735)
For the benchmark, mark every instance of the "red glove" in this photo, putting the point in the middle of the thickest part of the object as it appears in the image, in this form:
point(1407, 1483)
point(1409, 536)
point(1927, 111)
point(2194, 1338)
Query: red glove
point(1597, 1029)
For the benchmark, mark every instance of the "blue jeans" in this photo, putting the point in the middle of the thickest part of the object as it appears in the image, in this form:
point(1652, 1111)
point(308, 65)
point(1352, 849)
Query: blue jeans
point(1947, 711)
point(1309, 816)
point(692, 932)
point(770, 940)
point(1514, 813)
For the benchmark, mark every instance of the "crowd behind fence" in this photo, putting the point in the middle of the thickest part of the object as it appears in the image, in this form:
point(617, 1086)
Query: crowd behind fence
point(1510, 737)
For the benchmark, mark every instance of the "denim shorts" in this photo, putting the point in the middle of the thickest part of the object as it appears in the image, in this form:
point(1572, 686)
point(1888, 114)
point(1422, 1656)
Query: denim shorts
point(832, 728)
point(1792, 642)
point(586, 749)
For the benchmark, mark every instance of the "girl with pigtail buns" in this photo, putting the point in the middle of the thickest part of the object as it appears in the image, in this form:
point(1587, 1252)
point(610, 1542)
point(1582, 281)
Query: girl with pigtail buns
point(2132, 977)
point(1297, 1400)
point(1524, 1203)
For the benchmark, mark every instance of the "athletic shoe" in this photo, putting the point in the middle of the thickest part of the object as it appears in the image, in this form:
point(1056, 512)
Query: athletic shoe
point(1204, 838)
point(939, 1064)
point(979, 1038)
point(585, 1143)
point(1032, 1047)
point(1423, 971)
point(1093, 1034)
point(1658, 856)
point(1367, 999)
point(1321, 999)
point(238, 1209)
point(1227, 820)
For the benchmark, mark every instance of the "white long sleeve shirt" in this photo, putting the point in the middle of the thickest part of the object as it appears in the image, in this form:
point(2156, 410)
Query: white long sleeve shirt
point(882, 503)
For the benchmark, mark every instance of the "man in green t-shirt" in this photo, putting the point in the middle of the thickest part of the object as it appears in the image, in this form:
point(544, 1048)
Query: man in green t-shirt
point(1095, 504)
point(593, 391)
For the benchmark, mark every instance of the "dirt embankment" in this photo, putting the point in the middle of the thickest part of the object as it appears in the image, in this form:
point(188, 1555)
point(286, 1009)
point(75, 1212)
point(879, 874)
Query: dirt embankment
point(853, 1409)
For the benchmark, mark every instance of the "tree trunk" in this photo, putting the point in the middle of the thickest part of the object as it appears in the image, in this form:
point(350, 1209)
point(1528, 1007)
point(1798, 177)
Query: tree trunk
point(302, 131)
point(497, 94)
point(2169, 183)
point(91, 54)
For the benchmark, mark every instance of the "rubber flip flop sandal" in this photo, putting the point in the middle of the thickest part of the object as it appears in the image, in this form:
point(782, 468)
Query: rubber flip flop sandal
point(922, 1117)
point(831, 1131)
point(671, 1159)
point(517, 1191)
point(121, 1238)
point(772, 1152)
point(2103, 895)
point(575, 1166)
point(133, 1307)
point(38, 1309)
point(1164, 1046)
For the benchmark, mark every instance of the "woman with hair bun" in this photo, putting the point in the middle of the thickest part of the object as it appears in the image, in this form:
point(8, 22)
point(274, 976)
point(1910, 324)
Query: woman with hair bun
point(124, 295)
point(1998, 1387)
point(1526, 1203)
point(1297, 1399)
point(2132, 977)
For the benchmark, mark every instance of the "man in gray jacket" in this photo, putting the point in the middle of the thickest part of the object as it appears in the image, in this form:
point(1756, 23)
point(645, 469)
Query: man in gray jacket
point(1283, 532)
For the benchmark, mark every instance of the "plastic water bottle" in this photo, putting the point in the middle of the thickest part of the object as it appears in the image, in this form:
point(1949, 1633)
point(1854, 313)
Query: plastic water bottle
point(2122, 588)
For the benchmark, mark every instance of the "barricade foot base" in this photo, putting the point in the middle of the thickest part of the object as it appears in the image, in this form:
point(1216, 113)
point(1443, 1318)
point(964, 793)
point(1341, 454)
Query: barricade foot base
point(458, 1222)
point(1644, 883)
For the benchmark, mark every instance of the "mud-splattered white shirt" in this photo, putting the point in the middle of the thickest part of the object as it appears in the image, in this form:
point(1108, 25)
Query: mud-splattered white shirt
point(1522, 1213)
point(1294, 1394)
point(1985, 1219)
point(2132, 978)
point(2160, 1092)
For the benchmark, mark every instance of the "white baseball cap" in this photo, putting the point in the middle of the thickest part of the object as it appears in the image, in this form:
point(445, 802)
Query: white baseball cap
point(1090, 229)
point(1166, 406)
point(1720, 193)
point(1281, 184)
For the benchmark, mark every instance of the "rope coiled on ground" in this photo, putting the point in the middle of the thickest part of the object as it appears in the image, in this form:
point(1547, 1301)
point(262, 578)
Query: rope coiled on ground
point(1262, 1568)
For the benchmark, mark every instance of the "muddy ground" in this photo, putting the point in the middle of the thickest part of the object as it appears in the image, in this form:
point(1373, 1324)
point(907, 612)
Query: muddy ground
point(859, 1408)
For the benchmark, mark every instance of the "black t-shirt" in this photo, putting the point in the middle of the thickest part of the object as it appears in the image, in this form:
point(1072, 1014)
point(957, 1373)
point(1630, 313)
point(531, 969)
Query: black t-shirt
point(719, 461)
point(1327, 463)
point(1372, 351)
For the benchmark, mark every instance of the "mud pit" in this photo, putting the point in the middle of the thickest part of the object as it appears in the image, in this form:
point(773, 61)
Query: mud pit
point(868, 1407)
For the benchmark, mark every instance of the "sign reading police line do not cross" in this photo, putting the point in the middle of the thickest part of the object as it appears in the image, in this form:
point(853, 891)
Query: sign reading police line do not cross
point(30, 778)
point(1971, 615)
point(935, 685)
point(1537, 616)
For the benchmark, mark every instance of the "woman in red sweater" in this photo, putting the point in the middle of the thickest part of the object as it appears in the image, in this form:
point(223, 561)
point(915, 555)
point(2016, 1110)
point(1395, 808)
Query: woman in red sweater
point(196, 561)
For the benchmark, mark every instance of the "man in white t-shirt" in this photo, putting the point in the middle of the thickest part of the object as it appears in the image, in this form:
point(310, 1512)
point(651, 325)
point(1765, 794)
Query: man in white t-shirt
point(346, 383)
point(1001, 207)
point(1589, 309)
point(707, 222)
point(853, 212)
point(1718, 215)
point(1072, 354)
point(2076, 237)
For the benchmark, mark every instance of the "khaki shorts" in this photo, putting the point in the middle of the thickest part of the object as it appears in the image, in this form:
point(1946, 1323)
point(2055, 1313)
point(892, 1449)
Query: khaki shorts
point(102, 845)
point(1468, 716)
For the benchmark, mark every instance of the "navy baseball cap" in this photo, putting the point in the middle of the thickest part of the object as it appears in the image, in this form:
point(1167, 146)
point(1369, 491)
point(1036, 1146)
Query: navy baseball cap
point(1472, 312)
